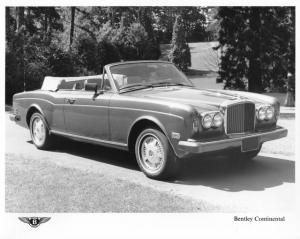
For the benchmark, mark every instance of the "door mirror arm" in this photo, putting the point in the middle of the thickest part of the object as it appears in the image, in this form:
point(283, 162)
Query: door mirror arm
point(98, 92)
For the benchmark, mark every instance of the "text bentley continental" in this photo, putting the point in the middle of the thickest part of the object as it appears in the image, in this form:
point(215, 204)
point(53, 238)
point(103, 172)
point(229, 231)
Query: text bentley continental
point(151, 109)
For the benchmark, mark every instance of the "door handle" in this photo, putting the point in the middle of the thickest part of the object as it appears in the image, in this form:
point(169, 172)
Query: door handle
point(71, 101)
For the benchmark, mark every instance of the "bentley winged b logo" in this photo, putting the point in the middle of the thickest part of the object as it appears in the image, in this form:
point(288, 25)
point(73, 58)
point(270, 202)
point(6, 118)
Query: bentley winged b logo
point(34, 221)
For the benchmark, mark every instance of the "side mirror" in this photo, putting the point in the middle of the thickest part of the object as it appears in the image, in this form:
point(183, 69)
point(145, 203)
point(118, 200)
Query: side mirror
point(99, 91)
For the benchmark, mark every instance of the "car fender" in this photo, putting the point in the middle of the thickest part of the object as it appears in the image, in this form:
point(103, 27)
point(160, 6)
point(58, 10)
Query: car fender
point(155, 121)
point(36, 106)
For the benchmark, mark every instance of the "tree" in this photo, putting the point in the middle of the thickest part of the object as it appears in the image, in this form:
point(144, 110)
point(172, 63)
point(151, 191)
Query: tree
point(30, 41)
point(152, 49)
point(254, 43)
point(106, 53)
point(20, 42)
point(145, 19)
point(290, 95)
point(254, 70)
point(193, 19)
point(72, 25)
point(180, 52)
point(213, 25)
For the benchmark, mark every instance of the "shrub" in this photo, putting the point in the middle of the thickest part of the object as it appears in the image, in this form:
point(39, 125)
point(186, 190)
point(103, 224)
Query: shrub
point(86, 50)
point(13, 77)
point(106, 53)
point(180, 52)
point(61, 63)
point(132, 42)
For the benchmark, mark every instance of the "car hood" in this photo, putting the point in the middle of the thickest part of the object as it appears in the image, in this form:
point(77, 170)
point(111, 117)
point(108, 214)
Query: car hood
point(201, 99)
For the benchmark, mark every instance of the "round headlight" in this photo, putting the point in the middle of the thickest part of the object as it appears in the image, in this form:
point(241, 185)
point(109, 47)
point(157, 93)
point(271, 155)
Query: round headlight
point(261, 115)
point(207, 121)
point(270, 112)
point(218, 120)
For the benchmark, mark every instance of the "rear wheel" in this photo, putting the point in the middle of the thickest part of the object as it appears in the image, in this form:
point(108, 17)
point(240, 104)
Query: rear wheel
point(39, 132)
point(155, 155)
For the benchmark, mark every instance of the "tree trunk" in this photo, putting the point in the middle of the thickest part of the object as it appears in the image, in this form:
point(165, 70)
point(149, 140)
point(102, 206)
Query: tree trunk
point(290, 95)
point(289, 99)
point(72, 26)
point(7, 19)
point(19, 17)
point(20, 24)
point(254, 74)
point(46, 22)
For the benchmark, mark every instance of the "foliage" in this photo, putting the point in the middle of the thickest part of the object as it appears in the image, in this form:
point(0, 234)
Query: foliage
point(93, 56)
point(86, 48)
point(61, 63)
point(13, 83)
point(29, 47)
point(180, 52)
point(106, 53)
point(132, 42)
point(254, 43)
point(40, 41)
point(213, 24)
point(193, 18)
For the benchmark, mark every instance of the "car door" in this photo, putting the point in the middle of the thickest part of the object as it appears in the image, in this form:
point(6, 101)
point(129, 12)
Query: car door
point(87, 115)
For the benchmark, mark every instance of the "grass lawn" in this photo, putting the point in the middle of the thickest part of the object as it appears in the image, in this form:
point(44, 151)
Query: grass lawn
point(40, 186)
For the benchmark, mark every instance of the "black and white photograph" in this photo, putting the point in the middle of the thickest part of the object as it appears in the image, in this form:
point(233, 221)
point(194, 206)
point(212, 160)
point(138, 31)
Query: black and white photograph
point(161, 109)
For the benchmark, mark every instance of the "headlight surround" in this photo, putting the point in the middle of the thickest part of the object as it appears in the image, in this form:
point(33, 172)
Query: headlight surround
point(265, 113)
point(270, 111)
point(207, 121)
point(217, 120)
point(212, 119)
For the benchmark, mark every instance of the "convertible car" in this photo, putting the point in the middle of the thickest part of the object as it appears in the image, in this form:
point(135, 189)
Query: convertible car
point(151, 109)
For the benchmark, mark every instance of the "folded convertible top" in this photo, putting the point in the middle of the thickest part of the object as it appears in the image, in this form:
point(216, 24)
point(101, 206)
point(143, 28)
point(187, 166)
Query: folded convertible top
point(53, 83)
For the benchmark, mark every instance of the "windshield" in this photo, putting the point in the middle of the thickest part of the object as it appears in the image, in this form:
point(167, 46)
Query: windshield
point(147, 74)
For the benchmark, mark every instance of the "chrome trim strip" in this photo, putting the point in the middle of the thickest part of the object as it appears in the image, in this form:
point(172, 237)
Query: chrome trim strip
point(100, 141)
point(152, 111)
point(101, 106)
point(38, 99)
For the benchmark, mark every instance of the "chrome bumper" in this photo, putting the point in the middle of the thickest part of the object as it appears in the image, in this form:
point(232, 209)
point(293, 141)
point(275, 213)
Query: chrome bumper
point(195, 147)
point(14, 117)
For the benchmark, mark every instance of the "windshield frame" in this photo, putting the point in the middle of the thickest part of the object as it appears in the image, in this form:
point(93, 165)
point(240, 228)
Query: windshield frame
point(120, 90)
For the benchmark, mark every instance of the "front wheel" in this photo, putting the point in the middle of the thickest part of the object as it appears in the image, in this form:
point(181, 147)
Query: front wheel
point(155, 155)
point(39, 132)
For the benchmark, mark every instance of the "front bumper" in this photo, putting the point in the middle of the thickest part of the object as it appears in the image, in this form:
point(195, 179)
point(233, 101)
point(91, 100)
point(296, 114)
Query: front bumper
point(196, 147)
point(14, 117)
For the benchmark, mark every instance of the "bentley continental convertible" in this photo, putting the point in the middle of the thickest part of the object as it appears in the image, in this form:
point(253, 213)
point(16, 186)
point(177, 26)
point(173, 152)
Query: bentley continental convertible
point(151, 109)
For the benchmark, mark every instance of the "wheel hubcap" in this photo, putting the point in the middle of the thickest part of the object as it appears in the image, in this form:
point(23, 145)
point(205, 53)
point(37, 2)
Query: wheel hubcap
point(151, 152)
point(38, 131)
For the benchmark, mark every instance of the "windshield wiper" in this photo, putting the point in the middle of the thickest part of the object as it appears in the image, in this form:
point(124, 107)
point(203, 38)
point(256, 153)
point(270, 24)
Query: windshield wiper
point(136, 86)
point(148, 85)
point(167, 83)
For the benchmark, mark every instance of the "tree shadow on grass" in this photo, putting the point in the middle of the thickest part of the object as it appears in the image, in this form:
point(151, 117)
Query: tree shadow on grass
point(216, 172)
point(224, 174)
point(95, 152)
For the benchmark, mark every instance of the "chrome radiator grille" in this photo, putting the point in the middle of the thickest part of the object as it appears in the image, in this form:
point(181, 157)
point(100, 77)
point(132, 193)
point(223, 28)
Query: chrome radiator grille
point(240, 118)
